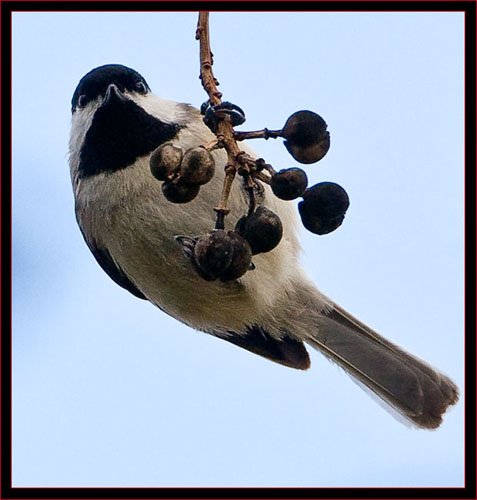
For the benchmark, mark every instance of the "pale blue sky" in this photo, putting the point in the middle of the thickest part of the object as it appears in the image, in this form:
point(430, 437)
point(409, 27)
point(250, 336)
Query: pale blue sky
point(109, 391)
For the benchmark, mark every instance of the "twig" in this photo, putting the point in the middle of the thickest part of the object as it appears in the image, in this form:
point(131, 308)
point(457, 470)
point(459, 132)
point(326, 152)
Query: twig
point(224, 128)
point(206, 60)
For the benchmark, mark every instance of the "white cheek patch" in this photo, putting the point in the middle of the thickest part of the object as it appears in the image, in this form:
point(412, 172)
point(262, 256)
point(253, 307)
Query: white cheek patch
point(164, 110)
point(80, 123)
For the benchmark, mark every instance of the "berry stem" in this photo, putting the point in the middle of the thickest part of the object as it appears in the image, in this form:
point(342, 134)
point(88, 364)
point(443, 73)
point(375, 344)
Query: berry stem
point(222, 209)
point(261, 177)
point(220, 221)
point(257, 134)
point(214, 144)
point(251, 200)
point(269, 169)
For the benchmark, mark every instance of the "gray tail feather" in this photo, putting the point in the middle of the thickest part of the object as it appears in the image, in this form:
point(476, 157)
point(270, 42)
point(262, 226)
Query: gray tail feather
point(417, 391)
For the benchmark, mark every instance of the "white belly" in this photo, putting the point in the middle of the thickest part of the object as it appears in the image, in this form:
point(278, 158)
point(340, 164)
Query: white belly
point(126, 213)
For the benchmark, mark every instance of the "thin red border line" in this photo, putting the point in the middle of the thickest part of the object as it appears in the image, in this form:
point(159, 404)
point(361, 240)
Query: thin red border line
point(275, 1)
point(250, 11)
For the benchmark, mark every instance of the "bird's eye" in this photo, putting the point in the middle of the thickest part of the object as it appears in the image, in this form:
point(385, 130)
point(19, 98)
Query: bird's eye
point(140, 87)
point(81, 100)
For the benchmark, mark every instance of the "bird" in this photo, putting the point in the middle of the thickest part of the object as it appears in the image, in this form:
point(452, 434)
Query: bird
point(274, 310)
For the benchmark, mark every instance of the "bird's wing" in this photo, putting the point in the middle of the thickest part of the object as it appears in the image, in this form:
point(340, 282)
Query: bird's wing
point(104, 259)
point(286, 351)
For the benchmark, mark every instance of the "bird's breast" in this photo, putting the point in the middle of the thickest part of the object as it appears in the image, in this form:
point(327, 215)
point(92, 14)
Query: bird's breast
point(126, 212)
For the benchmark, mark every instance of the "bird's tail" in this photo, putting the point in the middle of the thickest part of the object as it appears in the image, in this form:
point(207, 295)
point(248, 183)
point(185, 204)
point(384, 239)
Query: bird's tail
point(417, 391)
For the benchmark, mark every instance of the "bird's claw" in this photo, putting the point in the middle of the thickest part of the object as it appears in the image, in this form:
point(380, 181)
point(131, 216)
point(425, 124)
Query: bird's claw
point(224, 111)
point(188, 244)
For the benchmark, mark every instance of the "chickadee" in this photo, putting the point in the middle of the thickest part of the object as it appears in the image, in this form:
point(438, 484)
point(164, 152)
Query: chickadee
point(273, 310)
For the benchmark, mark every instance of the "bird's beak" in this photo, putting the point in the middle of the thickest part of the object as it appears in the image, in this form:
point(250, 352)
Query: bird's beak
point(113, 96)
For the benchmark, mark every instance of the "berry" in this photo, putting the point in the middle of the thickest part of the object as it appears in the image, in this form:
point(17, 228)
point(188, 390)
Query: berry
point(180, 192)
point(307, 139)
point(318, 225)
point(323, 207)
point(222, 254)
point(263, 230)
point(213, 253)
point(198, 166)
point(289, 183)
point(241, 260)
point(165, 160)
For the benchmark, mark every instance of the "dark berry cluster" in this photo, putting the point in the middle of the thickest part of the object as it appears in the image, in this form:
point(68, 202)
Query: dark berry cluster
point(227, 255)
point(182, 173)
